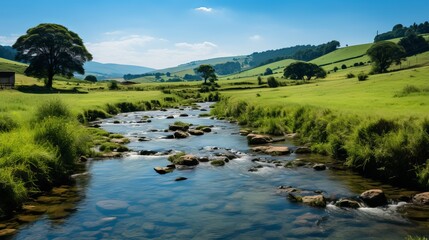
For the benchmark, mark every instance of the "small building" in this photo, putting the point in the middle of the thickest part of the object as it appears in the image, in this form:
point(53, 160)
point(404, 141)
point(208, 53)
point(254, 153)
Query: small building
point(7, 80)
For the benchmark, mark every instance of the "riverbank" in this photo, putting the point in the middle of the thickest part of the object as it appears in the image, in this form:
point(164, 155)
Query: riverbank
point(393, 150)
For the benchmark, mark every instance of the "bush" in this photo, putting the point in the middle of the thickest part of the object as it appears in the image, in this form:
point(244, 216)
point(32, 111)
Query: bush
point(343, 66)
point(272, 82)
point(113, 85)
point(350, 75)
point(362, 76)
point(7, 123)
point(53, 108)
point(259, 80)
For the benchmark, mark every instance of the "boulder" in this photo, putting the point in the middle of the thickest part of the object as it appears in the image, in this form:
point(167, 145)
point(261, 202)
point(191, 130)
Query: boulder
point(180, 179)
point(258, 139)
point(374, 198)
point(245, 132)
point(174, 127)
point(183, 115)
point(186, 160)
point(314, 201)
point(170, 117)
point(180, 134)
point(319, 167)
point(421, 198)
point(272, 150)
point(203, 159)
point(217, 163)
point(348, 203)
point(147, 152)
point(163, 170)
point(7, 232)
point(196, 132)
point(302, 150)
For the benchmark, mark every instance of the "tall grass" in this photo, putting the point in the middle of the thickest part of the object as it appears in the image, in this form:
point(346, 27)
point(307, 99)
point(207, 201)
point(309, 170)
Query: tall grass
point(392, 150)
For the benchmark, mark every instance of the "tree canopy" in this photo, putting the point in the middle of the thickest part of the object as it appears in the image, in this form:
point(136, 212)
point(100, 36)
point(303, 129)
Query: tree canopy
point(400, 31)
point(91, 78)
point(206, 71)
point(303, 71)
point(414, 44)
point(383, 54)
point(51, 49)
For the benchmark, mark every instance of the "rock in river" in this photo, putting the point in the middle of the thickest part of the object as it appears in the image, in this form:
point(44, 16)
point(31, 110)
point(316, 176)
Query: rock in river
point(7, 232)
point(272, 150)
point(180, 134)
point(421, 198)
point(258, 139)
point(314, 201)
point(196, 132)
point(109, 206)
point(187, 160)
point(374, 197)
point(319, 167)
point(348, 203)
point(163, 170)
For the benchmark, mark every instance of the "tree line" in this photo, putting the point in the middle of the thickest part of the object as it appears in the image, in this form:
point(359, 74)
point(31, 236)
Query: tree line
point(399, 31)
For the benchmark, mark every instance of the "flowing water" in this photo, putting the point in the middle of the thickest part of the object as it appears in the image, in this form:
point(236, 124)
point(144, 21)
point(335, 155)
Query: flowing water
point(125, 198)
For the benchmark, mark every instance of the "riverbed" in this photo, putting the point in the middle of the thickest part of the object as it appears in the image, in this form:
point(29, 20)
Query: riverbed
point(124, 198)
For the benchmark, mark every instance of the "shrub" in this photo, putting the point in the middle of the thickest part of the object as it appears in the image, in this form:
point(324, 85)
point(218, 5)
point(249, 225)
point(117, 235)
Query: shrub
point(52, 108)
point(7, 123)
point(343, 66)
point(259, 80)
point(362, 76)
point(112, 109)
point(113, 85)
point(407, 90)
point(272, 82)
point(350, 75)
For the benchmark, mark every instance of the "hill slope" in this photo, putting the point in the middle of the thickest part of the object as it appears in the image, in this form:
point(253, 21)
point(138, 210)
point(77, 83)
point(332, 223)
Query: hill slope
point(111, 70)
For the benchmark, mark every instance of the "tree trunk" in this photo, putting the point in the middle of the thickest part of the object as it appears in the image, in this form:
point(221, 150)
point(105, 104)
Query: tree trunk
point(49, 81)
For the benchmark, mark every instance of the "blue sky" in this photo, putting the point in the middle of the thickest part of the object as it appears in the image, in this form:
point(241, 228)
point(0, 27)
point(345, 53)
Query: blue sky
point(165, 33)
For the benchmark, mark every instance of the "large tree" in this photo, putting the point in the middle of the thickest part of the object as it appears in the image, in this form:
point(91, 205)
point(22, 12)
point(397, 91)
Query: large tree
point(414, 44)
point(383, 54)
point(51, 49)
point(206, 71)
point(303, 71)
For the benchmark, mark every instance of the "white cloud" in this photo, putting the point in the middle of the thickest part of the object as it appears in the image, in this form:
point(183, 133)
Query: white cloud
point(114, 33)
point(7, 40)
point(151, 51)
point(255, 38)
point(204, 9)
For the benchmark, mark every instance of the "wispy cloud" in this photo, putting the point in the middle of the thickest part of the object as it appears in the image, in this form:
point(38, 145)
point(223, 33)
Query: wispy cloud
point(204, 9)
point(255, 38)
point(151, 51)
point(7, 40)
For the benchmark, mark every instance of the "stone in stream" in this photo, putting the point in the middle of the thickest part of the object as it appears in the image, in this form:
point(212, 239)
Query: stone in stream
point(258, 139)
point(421, 198)
point(302, 150)
point(109, 206)
point(7, 232)
point(170, 117)
point(186, 160)
point(99, 223)
point(34, 209)
point(272, 150)
point(319, 167)
point(348, 203)
point(314, 201)
point(218, 162)
point(180, 179)
point(196, 132)
point(374, 198)
point(179, 134)
point(183, 115)
point(174, 127)
point(147, 152)
point(163, 170)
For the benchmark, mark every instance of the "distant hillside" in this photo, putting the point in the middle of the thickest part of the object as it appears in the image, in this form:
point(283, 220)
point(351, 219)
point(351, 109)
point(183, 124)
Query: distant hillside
point(194, 64)
point(109, 70)
point(7, 52)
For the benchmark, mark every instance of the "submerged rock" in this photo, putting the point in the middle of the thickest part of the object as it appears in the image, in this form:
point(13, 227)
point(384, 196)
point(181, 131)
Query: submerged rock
point(112, 205)
point(180, 179)
point(147, 152)
point(217, 163)
point(163, 170)
point(421, 198)
point(374, 198)
point(174, 127)
point(258, 139)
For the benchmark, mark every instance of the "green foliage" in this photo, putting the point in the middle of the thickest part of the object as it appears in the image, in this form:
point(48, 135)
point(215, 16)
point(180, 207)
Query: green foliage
point(12, 191)
point(303, 71)
point(181, 124)
point(350, 75)
point(344, 66)
point(407, 90)
point(51, 49)
point(91, 78)
point(227, 68)
point(206, 71)
point(400, 31)
point(113, 85)
point(52, 108)
point(362, 76)
point(7, 123)
point(416, 238)
point(268, 71)
point(414, 44)
point(383, 54)
point(259, 80)
point(272, 82)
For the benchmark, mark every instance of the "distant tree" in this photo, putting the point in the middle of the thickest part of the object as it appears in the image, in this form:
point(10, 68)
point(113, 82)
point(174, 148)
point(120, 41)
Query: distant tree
point(303, 71)
point(168, 74)
point(91, 78)
point(414, 44)
point(259, 80)
point(344, 66)
point(206, 71)
point(51, 49)
point(113, 85)
point(272, 82)
point(268, 71)
point(157, 76)
point(383, 54)
point(335, 69)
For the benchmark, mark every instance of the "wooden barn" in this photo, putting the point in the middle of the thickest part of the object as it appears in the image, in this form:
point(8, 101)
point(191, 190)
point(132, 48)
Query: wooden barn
point(7, 80)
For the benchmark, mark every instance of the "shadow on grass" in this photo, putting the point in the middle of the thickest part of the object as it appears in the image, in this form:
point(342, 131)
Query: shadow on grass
point(44, 90)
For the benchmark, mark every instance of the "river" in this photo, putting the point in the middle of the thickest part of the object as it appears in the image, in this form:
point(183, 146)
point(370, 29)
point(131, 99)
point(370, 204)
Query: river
point(124, 198)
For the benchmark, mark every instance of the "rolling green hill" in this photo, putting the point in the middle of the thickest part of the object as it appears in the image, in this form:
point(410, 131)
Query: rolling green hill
point(191, 65)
